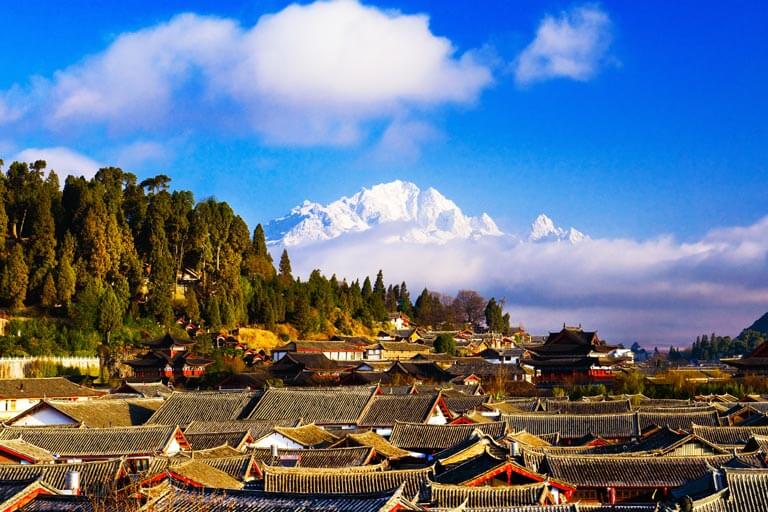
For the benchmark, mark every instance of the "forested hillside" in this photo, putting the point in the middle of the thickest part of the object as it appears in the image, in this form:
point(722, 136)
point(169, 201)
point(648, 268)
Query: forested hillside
point(96, 255)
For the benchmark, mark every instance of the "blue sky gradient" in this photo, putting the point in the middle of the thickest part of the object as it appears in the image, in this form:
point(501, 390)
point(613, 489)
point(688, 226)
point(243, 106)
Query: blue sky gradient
point(668, 136)
point(643, 124)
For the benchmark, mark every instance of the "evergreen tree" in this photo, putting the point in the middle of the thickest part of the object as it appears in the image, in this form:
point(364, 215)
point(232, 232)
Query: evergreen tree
point(191, 305)
point(302, 317)
point(65, 279)
point(15, 278)
point(48, 296)
point(214, 313)
point(404, 302)
point(285, 274)
point(86, 306)
point(110, 315)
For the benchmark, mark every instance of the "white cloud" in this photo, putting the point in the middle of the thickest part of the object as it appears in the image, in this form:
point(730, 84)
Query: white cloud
point(572, 45)
point(403, 140)
point(142, 152)
point(62, 160)
point(309, 74)
point(657, 291)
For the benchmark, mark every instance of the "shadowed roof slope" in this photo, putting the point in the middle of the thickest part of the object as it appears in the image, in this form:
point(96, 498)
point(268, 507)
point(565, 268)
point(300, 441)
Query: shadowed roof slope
point(417, 436)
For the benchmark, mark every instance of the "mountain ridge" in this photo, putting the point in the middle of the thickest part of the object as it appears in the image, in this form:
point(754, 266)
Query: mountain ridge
point(413, 214)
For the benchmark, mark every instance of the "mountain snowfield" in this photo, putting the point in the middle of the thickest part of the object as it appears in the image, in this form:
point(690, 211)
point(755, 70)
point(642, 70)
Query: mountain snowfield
point(403, 213)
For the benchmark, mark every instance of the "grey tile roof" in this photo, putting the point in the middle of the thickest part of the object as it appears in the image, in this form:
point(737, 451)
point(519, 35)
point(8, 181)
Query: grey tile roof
point(184, 408)
point(420, 437)
point(319, 458)
point(572, 426)
point(97, 478)
point(385, 410)
point(49, 387)
point(337, 481)
point(728, 436)
point(324, 406)
point(606, 471)
point(184, 499)
point(95, 442)
point(449, 496)
point(604, 407)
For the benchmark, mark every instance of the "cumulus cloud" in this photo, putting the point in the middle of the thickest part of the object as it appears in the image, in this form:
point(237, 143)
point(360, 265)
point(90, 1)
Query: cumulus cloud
point(572, 45)
point(62, 160)
point(309, 74)
point(659, 291)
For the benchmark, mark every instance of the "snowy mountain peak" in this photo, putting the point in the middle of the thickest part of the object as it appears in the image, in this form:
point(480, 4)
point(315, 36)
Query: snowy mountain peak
point(422, 216)
point(543, 229)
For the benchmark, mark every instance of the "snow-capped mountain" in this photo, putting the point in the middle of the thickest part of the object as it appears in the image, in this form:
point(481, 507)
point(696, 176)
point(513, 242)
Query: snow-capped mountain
point(415, 215)
point(544, 229)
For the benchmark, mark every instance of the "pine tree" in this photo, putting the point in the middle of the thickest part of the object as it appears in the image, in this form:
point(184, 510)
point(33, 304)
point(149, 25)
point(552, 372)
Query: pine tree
point(65, 279)
point(285, 274)
point(15, 279)
point(191, 305)
point(302, 317)
point(214, 313)
point(110, 314)
point(48, 296)
point(404, 303)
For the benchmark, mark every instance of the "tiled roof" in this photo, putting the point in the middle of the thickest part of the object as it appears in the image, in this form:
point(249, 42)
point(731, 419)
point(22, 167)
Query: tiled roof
point(378, 443)
point(50, 387)
point(257, 428)
point(606, 471)
point(318, 405)
point(307, 435)
point(101, 412)
point(183, 499)
point(320, 458)
point(605, 407)
point(728, 436)
point(516, 405)
point(184, 408)
point(33, 454)
point(385, 410)
point(238, 467)
point(147, 389)
point(336, 481)
point(58, 503)
point(96, 478)
point(678, 420)
point(207, 440)
point(417, 436)
point(464, 403)
point(205, 474)
point(96, 442)
point(448, 496)
point(571, 426)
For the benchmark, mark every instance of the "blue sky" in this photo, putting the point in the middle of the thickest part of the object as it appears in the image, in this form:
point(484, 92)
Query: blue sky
point(667, 135)
point(643, 124)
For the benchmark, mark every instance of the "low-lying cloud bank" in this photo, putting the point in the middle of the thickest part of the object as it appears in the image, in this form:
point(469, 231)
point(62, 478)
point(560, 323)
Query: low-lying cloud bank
point(658, 292)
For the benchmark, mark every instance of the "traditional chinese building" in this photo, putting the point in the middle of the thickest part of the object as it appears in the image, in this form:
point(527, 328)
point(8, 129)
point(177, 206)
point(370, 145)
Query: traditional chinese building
point(754, 363)
point(574, 355)
point(170, 359)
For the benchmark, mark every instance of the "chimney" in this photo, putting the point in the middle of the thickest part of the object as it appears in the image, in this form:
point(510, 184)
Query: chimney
point(72, 483)
point(514, 449)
